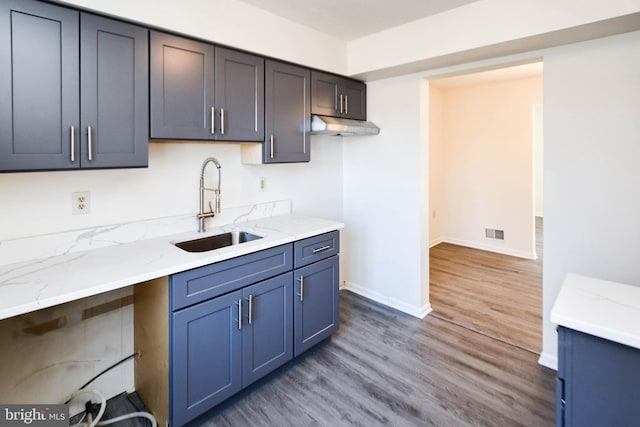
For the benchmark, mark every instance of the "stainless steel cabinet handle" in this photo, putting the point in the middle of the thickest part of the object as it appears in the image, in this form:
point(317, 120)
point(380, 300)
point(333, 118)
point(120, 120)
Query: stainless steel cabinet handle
point(346, 104)
point(250, 309)
point(341, 103)
point(301, 294)
point(89, 143)
point(213, 120)
point(222, 121)
point(73, 144)
point(240, 313)
point(271, 144)
point(322, 249)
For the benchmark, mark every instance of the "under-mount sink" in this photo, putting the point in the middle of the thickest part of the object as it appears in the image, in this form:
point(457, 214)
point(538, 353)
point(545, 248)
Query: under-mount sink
point(217, 241)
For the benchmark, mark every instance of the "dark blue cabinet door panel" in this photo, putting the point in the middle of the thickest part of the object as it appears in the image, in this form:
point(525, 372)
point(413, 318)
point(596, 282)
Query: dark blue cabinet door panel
point(39, 90)
point(287, 113)
point(182, 88)
point(268, 339)
point(206, 353)
point(316, 304)
point(115, 94)
point(239, 92)
point(202, 283)
point(600, 379)
point(337, 96)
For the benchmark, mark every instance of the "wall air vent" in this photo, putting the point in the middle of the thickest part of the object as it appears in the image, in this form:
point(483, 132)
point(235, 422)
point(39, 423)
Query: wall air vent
point(491, 233)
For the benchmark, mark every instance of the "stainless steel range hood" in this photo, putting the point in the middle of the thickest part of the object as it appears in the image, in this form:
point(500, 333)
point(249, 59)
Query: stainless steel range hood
point(325, 125)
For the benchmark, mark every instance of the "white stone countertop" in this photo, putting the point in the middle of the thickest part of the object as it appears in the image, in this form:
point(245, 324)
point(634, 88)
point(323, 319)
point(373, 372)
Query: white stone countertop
point(32, 285)
point(601, 308)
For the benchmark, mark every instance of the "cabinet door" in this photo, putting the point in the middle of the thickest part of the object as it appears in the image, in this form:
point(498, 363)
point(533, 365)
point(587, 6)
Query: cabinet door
point(205, 356)
point(287, 114)
point(600, 381)
point(316, 306)
point(114, 93)
point(239, 92)
point(354, 99)
point(39, 91)
point(268, 332)
point(181, 88)
point(324, 94)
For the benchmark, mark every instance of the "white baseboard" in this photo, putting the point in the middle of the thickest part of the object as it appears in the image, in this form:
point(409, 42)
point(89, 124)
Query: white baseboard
point(412, 310)
point(490, 248)
point(435, 242)
point(548, 360)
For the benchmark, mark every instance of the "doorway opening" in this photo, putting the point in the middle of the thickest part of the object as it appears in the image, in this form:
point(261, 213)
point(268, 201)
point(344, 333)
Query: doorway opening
point(485, 198)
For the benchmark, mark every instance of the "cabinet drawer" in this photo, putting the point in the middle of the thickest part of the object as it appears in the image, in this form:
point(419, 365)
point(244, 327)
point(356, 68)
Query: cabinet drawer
point(316, 248)
point(202, 283)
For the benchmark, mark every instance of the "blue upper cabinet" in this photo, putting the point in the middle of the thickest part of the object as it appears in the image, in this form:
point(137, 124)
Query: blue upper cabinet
point(114, 92)
point(337, 96)
point(287, 113)
point(182, 105)
point(239, 94)
point(202, 92)
point(49, 55)
point(39, 87)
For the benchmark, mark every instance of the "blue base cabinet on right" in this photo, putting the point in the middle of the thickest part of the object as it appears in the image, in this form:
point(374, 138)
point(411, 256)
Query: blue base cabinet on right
point(597, 383)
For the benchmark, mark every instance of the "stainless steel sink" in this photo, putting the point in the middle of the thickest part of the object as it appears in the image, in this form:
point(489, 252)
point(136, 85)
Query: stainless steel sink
point(217, 241)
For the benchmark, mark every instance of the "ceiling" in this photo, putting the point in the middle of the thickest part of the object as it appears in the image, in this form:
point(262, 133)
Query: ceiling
point(351, 19)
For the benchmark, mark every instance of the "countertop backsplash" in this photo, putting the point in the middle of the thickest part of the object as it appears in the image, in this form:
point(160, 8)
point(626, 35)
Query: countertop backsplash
point(54, 244)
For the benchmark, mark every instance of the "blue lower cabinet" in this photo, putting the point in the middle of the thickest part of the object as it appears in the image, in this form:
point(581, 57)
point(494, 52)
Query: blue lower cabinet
point(597, 382)
point(316, 303)
point(206, 347)
point(236, 321)
point(267, 335)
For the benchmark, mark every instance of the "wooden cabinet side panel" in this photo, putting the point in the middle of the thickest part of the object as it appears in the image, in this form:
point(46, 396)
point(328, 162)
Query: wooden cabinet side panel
point(151, 342)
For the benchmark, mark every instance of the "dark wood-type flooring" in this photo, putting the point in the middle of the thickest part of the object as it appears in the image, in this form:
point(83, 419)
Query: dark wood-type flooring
point(497, 295)
point(386, 368)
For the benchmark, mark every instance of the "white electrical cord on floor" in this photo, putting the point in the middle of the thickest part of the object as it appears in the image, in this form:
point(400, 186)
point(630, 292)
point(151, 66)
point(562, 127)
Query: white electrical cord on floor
point(103, 405)
point(127, 416)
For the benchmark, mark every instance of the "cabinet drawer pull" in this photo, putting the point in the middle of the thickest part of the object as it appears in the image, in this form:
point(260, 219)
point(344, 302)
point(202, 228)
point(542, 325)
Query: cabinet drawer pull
point(73, 144)
point(341, 98)
point(240, 313)
point(213, 120)
point(322, 249)
point(90, 143)
point(271, 145)
point(301, 294)
point(250, 309)
point(346, 104)
point(222, 121)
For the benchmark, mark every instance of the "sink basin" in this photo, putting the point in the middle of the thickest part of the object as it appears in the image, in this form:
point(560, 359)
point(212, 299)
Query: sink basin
point(217, 241)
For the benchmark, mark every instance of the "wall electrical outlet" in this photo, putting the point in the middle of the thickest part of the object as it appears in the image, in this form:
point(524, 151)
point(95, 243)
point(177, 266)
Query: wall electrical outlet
point(262, 186)
point(81, 202)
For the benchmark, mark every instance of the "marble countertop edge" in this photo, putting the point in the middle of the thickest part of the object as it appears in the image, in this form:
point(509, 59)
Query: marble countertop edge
point(34, 285)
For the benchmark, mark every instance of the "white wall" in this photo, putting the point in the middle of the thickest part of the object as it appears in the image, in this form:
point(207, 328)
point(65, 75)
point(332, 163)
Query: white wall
point(591, 166)
point(232, 23)
point(40, 202)
point(487, 174)
point(437, 168)
point(538, 159)
point(383, 208)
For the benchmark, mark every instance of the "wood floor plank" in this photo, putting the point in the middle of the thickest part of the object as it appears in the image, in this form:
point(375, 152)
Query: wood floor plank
point(385, 368)
point(494, 294)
